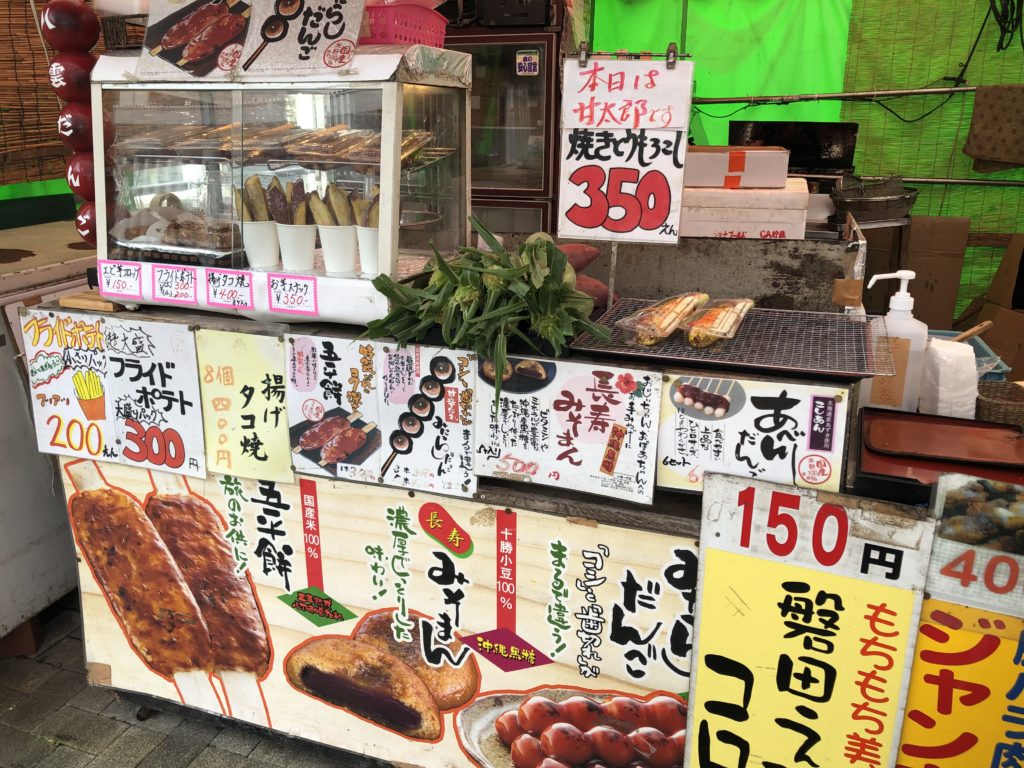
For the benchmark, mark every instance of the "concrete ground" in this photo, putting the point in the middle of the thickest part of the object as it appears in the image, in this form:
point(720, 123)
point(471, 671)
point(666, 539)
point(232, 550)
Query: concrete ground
point(51, 718)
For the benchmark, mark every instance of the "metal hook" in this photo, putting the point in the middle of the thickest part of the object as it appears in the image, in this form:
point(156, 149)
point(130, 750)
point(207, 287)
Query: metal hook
point(584, 53)
point(671, 55)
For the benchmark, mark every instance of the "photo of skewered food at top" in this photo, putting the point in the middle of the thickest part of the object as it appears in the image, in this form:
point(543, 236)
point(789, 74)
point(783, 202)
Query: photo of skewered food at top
point(339, 437)
point(192, 38)
point(707, 399)
point(986, 513)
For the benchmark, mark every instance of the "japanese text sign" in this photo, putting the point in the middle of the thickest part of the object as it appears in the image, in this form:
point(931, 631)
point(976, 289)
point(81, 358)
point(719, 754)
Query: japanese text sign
point(781, 432)
point(120, 279)
point(332, 407)
point(317, 39)
point(425, 402)
point(474, 607)
point(153, 390)
point(624, 135)
point(245, 416)
point(66, 356)
point(831, 587)
point(965, 706)
point(589, 427)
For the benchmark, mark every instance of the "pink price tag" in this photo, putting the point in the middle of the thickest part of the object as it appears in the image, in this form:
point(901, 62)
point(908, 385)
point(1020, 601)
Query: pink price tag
point(292, 294)
point(229, 288)
point(175, 285)
point(120, 279)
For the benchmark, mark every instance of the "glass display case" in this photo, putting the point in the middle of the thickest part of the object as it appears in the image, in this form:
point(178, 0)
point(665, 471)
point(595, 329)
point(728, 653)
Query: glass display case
point(274, 197)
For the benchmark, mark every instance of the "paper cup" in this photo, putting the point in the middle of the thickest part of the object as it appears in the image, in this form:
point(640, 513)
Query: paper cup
point(369, 251)
point(339, 246)
point(260, 241)
point(298, 241)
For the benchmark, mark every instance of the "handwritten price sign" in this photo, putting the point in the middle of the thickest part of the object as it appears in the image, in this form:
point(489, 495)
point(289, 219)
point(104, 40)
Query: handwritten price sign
point(292, 294)
point(120, 279)
point(624, 127)
point(229, 288)
point(174, 285)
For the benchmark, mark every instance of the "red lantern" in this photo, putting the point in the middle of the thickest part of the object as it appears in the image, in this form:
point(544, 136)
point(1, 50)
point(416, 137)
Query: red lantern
point(80, 175)
point(85, 222)
point(69, 25)
point(69, 75)
point(74, 124)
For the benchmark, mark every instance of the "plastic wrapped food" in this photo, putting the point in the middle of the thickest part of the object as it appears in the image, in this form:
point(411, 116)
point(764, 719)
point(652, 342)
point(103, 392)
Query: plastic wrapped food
point(655, 323)
point(720, 320)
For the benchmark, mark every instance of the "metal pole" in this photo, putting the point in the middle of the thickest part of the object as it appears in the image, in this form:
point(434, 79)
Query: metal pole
point(915, 180)
point(833, 96)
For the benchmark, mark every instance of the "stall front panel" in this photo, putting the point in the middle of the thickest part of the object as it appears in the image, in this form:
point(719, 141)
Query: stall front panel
point(376, 620)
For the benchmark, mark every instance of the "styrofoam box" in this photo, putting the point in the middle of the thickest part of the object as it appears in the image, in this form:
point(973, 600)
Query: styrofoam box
point(749, 223)
point(736, 167)
point(793, 196)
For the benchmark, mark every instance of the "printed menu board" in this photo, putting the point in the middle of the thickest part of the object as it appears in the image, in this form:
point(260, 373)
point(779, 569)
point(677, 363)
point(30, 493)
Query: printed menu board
point(425, 403)
point(218, 39)
point(153, 390)
point(66, 357)
point(624, 127)
point(830, 586)
point(245, 414)
point(332, 407)
point(586, 426)
point(780, 432)
point(363, 617)
point(965, 706)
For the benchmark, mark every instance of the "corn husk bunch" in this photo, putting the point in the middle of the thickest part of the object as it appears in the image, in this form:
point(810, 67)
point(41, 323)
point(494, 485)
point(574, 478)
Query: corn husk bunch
point(483, 298)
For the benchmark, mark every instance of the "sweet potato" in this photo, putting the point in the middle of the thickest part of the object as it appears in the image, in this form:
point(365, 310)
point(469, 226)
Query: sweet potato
point(594, 288)
point(580, 255)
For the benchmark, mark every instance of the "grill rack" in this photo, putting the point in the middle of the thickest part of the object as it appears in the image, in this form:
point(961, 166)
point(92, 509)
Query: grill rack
point(819, 343)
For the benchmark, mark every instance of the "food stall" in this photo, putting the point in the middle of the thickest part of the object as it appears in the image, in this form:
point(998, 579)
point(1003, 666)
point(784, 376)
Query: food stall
point(429, 505)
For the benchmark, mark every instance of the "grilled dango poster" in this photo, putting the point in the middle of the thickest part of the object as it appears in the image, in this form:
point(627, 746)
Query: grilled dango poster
point(426, 401)
point(780, 432)
point(333, 417)
point(413, 628)
point(199, 39)
point(585, 426)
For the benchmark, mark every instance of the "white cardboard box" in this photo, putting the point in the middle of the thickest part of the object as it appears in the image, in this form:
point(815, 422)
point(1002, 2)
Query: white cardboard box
point(736, 167)
point(778, 214)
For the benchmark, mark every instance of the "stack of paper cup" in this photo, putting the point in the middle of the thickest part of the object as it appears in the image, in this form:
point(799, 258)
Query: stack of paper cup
point(260, 241)
point(369, 251)
point(339, 247)
point(298, 243)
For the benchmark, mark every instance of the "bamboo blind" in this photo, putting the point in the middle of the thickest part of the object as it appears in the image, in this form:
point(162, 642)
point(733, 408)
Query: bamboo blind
point(914, 45)
point(30, 149)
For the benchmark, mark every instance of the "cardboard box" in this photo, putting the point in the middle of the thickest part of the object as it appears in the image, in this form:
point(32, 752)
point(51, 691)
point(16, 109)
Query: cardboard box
point(1006, 337)
point(935, 251)
point(736, 167)
point(776, 214)
point(1005, 290)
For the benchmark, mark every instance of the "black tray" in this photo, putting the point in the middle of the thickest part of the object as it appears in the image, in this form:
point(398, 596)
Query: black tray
point(372, 444)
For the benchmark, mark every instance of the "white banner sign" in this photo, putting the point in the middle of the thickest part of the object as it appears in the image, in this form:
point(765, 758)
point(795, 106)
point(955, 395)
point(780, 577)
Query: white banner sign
point(624, 129)
point(589, 427)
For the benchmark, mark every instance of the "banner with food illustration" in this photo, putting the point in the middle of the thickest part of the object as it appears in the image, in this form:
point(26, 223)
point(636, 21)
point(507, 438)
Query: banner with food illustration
point(779, 432)
point(200, 39)
point(66, 358)
point(418, 629)
point(426, 407)
point(153, 390)
point(586, 426)
point(807, 614)
point(245, 413)
point(971, 638)
point(332, 407)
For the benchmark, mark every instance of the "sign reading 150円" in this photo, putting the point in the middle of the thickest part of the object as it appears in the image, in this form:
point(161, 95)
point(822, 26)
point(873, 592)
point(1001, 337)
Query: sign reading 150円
point(624, 128)
point(831, 586)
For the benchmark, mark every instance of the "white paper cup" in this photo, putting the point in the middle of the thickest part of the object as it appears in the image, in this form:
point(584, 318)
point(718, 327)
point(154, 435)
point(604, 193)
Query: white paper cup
point(339, 246)
point(369, 251)
point(260, 241)
point(298, 242)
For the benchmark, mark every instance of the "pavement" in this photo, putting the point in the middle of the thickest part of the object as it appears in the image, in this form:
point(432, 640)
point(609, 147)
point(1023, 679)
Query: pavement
point(51, 718)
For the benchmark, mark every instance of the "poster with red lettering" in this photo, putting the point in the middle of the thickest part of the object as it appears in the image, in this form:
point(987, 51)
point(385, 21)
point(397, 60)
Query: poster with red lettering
point(624, 128)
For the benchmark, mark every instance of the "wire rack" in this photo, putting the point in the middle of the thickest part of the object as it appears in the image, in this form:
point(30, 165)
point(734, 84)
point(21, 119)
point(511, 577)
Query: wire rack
point(820, 343)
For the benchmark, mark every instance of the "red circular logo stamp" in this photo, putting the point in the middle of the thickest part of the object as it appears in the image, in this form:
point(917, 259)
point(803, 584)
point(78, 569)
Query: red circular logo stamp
point(339, 53)
point(229, 57)
point(815, 469)
point(313, 410)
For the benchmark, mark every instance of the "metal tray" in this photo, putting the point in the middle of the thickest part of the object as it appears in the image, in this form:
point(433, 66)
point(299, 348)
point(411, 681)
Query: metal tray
point(818, 343)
